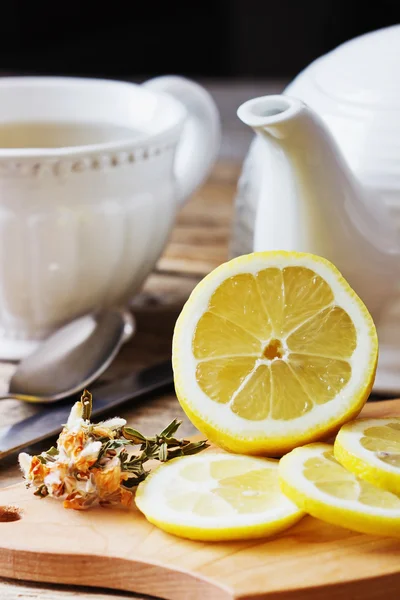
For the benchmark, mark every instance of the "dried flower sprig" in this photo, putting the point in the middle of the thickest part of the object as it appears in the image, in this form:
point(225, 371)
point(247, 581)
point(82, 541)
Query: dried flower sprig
point(97, 463)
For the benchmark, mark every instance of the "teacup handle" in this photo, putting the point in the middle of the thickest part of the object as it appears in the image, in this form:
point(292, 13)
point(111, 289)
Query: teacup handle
point(200, 139)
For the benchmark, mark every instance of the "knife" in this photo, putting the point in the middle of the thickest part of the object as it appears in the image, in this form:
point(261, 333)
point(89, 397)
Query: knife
point(50, 420)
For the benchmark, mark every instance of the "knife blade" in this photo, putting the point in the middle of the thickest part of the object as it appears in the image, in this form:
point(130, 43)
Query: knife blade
point(49, 421)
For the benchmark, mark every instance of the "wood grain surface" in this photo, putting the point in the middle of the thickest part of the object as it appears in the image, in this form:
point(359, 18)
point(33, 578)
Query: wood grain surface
point(118, 548)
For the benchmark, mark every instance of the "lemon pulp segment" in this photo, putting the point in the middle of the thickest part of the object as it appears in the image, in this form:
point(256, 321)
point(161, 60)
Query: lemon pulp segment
point(273, 344)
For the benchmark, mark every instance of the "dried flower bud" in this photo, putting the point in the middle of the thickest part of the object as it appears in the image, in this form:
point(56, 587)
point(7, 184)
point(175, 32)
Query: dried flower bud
point(92, 464)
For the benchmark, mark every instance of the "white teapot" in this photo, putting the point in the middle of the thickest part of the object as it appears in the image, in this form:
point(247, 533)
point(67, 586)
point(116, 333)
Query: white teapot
point(323, 176)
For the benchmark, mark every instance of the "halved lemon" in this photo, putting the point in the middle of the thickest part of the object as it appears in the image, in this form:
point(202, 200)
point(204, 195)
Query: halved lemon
point(370, 448)
point(216, 496)
point(273, 350)
point(313, 479)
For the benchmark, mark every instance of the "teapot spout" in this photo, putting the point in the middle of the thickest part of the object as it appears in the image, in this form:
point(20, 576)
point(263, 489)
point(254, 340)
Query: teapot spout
point(271, 114)
point(310, 201)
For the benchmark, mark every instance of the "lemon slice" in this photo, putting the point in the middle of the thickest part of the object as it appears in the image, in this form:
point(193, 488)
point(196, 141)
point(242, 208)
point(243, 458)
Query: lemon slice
point(273, 350)
point(312, 478)
point(217, 496)
point(370, 448)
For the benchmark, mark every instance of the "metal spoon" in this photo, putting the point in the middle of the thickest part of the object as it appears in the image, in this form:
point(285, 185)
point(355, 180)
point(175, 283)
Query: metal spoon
point(71, 358)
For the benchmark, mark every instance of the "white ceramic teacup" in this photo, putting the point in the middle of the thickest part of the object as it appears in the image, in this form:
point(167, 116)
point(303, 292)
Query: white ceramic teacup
point(83, 223)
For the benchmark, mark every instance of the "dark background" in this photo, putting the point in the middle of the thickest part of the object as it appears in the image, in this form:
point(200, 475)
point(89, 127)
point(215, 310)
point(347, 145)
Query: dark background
point(214, 39)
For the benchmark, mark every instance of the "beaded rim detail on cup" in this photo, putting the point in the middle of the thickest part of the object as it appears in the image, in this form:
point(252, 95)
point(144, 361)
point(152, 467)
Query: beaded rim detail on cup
point(78, 164)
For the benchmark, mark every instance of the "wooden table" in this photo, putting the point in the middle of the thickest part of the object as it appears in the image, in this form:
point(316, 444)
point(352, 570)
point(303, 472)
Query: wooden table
point(199, 243)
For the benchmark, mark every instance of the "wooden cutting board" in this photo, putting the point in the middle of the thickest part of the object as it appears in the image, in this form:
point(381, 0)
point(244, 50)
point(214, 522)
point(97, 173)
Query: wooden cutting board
point(119, 549)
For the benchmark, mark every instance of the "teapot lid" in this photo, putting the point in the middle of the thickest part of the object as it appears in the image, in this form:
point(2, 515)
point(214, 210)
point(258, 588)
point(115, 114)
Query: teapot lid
point(365, 70)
